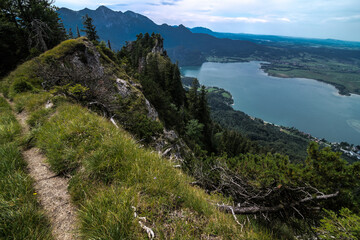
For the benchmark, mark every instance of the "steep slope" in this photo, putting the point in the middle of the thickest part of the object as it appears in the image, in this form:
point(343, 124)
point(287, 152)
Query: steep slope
point(115, 182)
point(181, 44)
point(84, 73)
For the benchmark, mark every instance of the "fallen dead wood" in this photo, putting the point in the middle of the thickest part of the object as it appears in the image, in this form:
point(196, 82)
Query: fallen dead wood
point(276, 208)
point(284, 201)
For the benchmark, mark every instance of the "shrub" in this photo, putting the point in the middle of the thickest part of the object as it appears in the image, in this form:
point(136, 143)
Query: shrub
point(345, 226)
point(20, 85)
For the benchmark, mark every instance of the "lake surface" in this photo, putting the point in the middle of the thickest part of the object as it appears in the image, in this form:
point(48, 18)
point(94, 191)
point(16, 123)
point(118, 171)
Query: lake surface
point(308, 105)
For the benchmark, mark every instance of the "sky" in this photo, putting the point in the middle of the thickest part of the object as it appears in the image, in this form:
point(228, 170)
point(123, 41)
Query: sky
point(336, 19)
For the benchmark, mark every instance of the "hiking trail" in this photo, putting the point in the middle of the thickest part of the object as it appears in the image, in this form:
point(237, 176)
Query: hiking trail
point(51, 189)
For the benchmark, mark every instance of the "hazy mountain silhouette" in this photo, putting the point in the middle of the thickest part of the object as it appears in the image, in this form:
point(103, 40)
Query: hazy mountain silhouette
point(181, 44)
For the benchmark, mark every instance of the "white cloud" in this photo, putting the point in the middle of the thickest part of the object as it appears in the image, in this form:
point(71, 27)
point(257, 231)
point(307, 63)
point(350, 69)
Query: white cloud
point(237, 19)
point(286, 17)
point(344, 19)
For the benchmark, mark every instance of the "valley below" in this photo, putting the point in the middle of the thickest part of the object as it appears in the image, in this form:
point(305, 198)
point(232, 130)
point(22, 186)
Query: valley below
point(311, 106)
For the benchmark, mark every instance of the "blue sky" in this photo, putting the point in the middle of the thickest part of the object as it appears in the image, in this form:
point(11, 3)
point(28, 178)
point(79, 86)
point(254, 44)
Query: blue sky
point(338, 19)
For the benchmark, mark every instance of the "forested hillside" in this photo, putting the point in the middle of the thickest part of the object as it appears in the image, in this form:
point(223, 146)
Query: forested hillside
point(142, 156)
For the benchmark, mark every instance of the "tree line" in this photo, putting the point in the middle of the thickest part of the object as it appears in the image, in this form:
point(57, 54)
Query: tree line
point(29, 28)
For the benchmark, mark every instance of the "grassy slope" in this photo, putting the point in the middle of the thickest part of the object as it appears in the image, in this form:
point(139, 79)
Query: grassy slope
point(111, 173)
point(21, 217)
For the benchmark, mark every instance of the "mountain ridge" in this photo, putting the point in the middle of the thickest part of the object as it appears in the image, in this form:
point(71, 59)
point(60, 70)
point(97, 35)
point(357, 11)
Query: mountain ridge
point(181, 44)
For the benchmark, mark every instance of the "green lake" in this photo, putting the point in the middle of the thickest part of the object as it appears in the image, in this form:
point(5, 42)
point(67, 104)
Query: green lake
point(308, 105)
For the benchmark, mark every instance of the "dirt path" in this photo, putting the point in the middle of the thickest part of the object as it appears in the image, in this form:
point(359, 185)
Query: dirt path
point(51, 190)
point(53, 195)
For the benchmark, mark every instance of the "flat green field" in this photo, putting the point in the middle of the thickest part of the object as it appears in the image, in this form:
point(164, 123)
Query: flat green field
point(344, 76)
point(226, 95)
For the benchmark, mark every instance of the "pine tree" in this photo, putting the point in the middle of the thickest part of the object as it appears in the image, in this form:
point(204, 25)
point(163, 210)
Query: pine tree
point(178, 90)
point(78, 31)
point(109, 44)
point(90, 31)
point(193, 98)
point(71, 35)
point(27, 26)
point(203, 109)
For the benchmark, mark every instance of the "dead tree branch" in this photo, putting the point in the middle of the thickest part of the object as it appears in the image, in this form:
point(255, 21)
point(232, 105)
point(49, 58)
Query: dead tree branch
point(283, 201)
point(279, 207)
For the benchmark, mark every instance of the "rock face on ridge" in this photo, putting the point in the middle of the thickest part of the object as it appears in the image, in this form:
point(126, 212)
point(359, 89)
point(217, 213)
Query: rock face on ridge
point(101, 83)
point(84, 72)
point(159, 47)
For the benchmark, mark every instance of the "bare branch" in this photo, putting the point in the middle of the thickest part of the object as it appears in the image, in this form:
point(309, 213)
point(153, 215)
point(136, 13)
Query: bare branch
point(279, 207)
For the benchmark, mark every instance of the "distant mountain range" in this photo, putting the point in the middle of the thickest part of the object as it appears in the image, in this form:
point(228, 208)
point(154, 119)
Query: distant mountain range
point(181, 44)
point(195, 46)
point(271, 40)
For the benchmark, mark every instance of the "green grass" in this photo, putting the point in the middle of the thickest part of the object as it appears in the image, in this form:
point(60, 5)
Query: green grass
point(64, 49)
point(111, 173)
point(21, 217)
point(209, 90)
point(226, 95)
point(23, 79)
point(9, 127)
point(30, 101)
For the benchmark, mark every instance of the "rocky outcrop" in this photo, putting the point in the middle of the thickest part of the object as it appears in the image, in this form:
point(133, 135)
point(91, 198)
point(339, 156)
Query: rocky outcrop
point(126, 90)
point(123, 88)
point(105, 87)
point(152, 113)
point(170, 145)
point(159, 46)
point(106, 84)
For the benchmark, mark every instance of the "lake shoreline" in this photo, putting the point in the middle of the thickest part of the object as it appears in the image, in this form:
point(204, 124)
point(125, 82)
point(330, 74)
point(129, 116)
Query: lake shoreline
point(257, 88)
point(342, 90)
